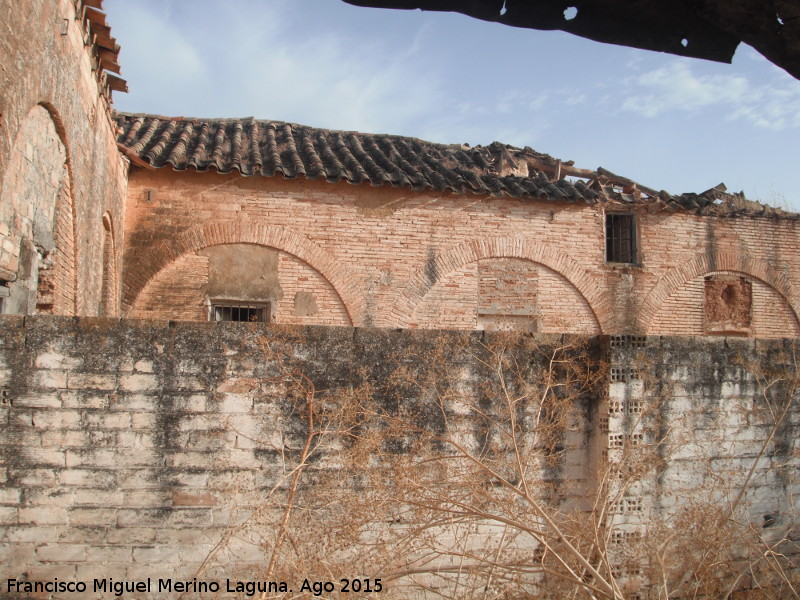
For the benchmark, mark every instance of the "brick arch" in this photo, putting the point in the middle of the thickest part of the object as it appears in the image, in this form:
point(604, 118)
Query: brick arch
point(238, 232)
point(459, 256)
point(109, 285)
point(73, 217)
point(702, 264)
point(56, 280)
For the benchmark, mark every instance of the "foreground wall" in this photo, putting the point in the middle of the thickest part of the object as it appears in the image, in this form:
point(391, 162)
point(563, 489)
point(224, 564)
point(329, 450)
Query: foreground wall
point(129, 448)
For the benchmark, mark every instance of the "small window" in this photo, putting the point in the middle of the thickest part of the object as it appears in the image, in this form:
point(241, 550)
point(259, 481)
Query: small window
point(247, 313)
point(620, 238)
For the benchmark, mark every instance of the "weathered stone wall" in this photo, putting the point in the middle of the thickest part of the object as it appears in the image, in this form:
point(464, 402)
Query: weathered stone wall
point(60, 171)
point(715, 424)
point(130, 447)
point(398, 258)
point(717, 404)
point(127, 446)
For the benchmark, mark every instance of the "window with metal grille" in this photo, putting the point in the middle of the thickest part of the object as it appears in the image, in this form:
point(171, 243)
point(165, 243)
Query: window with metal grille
point(248, 313)
point(620, 238)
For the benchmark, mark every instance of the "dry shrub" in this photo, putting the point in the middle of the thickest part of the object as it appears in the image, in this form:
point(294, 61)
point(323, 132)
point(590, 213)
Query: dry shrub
point(473, 470)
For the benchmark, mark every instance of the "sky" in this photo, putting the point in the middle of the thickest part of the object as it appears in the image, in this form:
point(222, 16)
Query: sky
point(672, 123)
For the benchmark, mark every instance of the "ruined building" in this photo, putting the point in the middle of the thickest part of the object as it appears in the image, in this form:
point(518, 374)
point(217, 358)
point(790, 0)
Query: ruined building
point(150, 217)
point(345, 228)
point(156, 220)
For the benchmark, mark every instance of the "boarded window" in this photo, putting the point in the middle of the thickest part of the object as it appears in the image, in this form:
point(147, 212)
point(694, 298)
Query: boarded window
point(507, 291)
point(728, 305)
point(620, 238)
point(248, 313)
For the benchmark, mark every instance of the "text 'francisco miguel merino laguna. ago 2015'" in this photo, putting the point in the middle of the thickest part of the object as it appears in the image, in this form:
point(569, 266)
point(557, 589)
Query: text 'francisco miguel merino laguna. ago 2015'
point(193, 586)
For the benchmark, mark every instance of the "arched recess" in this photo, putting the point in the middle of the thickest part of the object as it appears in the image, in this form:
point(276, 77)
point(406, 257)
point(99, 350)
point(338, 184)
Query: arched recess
point(455, 258)
point(65, 262)
point(238, 232)
point(703, 264)
point(109, 282)
point(38, 212)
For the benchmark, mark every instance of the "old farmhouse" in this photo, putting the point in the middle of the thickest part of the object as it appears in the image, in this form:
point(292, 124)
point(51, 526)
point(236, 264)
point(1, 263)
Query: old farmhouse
point(134, 427)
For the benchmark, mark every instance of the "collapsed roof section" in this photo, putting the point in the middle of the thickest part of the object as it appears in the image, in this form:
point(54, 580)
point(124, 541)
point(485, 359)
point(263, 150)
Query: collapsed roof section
point(269, 148)
point(709, 29)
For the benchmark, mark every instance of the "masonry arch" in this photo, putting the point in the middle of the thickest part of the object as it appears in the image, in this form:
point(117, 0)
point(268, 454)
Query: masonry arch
point(704, 264)
point(472, 251)
point(109, 281)
point(216, 233)
point(38, 211)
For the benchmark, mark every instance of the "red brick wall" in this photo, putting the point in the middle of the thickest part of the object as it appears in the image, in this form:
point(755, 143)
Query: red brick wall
point(179, 292)
point(60, 169)
point(396, 258)
point(298, 278)
point(682, 313)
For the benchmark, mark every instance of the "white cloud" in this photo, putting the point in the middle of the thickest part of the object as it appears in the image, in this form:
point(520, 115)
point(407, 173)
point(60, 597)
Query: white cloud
point(576, 99)
point(676, 88)
point(252, 62)
point(164, 58)
point(539, 101)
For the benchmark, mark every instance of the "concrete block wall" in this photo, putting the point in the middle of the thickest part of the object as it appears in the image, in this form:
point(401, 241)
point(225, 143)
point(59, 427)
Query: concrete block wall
point(714, 425)
point(729, 410)
point(129, 448)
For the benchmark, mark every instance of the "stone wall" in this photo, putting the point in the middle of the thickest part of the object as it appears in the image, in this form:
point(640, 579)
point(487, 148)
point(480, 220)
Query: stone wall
point(717, 420)
point(60, 172)
point(130, 449)
point(129, 446)
point(398, 258)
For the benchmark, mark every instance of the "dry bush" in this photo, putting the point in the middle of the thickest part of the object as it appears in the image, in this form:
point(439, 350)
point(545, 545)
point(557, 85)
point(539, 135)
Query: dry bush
point(478, 471)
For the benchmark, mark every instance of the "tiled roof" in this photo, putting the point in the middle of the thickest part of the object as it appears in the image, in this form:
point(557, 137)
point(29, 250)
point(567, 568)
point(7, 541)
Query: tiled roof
point(104, 48)
point(269, 148)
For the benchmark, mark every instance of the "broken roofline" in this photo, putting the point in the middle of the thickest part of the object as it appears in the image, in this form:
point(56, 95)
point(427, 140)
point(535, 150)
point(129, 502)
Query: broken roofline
point(269, 148)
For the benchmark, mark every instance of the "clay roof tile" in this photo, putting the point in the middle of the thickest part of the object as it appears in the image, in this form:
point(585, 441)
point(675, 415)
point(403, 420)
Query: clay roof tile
point(269, 148)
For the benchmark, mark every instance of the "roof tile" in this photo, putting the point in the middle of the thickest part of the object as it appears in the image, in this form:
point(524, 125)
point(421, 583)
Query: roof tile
point(269, 148)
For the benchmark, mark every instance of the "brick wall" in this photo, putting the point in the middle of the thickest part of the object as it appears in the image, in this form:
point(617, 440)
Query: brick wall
point(60, 171)
point(396, 258)
point(129, 447)
point(181, 291)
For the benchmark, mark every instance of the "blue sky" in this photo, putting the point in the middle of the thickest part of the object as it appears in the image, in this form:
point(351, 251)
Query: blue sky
point(668, 122)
